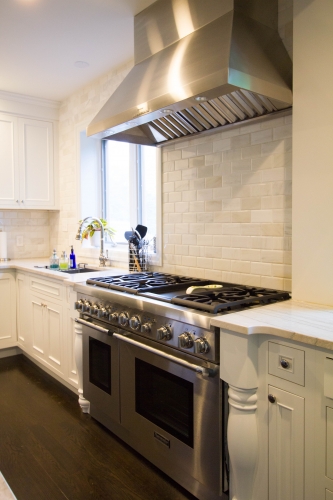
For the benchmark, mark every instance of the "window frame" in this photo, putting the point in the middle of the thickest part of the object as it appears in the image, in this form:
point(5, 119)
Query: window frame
point(118, 253)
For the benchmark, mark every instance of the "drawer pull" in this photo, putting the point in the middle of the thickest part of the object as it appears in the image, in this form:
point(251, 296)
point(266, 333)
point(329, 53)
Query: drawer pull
point(271, 398)
point(284, 363)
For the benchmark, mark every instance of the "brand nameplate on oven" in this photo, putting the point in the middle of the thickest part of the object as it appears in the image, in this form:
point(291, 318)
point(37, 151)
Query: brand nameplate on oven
point(162, 439)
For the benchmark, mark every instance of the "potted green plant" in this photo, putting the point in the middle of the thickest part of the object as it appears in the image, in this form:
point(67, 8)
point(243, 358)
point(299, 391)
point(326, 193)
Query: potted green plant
point(93, 227)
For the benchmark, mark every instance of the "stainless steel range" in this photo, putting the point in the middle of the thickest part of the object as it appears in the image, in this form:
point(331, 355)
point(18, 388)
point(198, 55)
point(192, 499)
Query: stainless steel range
point(151, 369)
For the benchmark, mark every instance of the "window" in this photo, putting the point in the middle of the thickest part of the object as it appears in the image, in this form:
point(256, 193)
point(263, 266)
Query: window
point(129, 173)
point(120, 182)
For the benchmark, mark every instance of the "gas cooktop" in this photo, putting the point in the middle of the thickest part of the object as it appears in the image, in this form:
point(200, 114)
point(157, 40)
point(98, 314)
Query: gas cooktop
point(205, 295)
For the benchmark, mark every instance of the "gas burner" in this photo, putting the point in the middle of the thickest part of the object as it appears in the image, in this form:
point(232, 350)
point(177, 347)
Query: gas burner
point(233, 297)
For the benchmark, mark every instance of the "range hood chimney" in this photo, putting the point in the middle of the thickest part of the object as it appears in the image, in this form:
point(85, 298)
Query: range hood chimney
point(199, 65)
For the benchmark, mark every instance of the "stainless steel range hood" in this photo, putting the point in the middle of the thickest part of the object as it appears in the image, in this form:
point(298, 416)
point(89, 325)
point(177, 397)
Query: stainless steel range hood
point(199, 65)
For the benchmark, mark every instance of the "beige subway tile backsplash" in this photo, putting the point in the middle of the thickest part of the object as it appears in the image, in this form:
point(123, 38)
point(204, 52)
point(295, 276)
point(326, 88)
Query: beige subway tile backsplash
point(235, 205)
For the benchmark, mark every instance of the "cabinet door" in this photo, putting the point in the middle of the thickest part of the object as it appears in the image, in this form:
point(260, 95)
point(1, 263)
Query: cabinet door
point(23, 326)
point(53, 325)
point(37, 327)
point(36, 167)
point(286, 446)
point(9, 185)
point(7, 311)
point(47, 327)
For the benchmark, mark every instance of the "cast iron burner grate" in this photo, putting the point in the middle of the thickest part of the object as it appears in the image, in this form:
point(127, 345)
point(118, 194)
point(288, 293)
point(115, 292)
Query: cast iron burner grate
point(140, 282)
point(233, 297)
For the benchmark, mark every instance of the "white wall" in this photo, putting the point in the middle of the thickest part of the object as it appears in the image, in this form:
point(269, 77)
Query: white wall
point(312, 263)
point(78, 109)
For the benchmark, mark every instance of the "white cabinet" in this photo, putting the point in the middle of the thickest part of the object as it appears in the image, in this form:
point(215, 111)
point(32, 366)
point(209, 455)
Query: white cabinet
point(47, 325)
point(272, 400)
point(9, 186)
point(286, 445)
point(27, 165)
point(7, 310)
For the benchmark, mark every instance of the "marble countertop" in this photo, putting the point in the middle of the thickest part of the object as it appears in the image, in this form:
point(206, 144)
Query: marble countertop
point(299, 321)
point(29, 265)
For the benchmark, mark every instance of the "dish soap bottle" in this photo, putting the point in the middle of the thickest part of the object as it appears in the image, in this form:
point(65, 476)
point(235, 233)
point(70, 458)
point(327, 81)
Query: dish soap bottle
point(54, 260)
point(72, 259)
point(63, 262)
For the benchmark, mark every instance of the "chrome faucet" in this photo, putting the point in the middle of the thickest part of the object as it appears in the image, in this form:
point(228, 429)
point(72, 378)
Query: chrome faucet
point(102, 257)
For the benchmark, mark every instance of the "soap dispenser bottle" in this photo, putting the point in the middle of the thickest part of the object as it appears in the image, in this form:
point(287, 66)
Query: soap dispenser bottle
point(72, 259)
point(63, 262)
point(54, 260)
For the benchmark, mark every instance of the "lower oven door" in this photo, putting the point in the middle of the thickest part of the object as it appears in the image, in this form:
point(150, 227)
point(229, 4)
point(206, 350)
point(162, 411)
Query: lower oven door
point(174, 412)
point(100, 370)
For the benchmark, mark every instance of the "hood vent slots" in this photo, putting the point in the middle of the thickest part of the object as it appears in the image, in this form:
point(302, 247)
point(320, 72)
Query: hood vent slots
point(231, 66)
point(235, 107)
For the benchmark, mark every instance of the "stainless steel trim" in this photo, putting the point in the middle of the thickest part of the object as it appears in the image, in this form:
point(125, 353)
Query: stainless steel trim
point(92, 325)
point(206, 372)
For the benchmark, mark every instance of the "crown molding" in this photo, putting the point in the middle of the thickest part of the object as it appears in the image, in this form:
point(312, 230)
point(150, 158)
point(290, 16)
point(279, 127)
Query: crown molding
point(36, 101)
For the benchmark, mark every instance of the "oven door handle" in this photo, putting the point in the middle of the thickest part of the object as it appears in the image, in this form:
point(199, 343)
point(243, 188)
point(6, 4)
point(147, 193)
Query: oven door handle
point(92, 325)
point(206, 372)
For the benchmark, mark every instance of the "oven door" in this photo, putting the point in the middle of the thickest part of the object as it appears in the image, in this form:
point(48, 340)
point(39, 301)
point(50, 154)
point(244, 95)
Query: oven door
point(173, 410)
point(100, 369)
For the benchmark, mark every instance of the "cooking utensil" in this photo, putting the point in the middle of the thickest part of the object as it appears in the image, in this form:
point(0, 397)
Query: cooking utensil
point(142, 230)
point(205, 288)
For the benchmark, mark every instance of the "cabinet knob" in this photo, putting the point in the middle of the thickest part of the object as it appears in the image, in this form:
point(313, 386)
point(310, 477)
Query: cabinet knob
point(271, 398)
point(22, 201)
point(17, 201)
point(284, 363)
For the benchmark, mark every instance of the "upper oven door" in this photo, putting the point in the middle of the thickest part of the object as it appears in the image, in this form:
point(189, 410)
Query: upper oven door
point(101, 370)
point(173, 411)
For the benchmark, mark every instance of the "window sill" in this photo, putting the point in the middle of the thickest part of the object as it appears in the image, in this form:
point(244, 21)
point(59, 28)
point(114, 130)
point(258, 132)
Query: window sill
point(118, 254)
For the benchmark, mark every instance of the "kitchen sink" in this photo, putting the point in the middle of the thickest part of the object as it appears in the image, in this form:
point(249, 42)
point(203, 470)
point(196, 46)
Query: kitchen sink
point(79, 270)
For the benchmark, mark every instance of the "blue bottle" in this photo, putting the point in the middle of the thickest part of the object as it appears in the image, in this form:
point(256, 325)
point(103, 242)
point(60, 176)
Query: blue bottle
point(72, 259)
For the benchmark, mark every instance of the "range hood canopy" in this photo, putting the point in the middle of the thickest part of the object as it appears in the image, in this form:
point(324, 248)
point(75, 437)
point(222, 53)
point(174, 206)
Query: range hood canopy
point(198, 65)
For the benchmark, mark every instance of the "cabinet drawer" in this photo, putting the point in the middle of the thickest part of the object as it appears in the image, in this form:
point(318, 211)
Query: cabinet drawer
point(286, 362)
point(50, 288)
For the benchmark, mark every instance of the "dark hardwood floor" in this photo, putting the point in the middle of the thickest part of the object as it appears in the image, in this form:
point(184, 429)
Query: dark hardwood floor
point(49, 450)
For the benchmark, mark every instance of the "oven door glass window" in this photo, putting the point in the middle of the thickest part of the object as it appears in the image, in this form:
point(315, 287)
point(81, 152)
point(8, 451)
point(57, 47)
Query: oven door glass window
point(165, 400)
point(100, 364)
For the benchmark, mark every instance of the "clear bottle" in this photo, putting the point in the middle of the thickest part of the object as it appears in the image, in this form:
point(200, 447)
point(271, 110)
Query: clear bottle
point(63, 262)
point(54, 260)
point(72, 259)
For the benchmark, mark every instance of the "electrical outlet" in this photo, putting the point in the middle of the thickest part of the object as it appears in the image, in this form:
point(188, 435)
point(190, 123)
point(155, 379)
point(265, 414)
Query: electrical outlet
point(19, 241)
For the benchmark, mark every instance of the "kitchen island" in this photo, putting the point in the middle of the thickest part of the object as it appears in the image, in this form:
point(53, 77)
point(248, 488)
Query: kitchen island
point(278, 362)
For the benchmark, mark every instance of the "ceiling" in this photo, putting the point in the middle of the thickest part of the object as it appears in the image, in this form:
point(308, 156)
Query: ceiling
point(41, 40)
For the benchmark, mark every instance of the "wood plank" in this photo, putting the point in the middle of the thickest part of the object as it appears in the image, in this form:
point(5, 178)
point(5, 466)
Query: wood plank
point(50, 449)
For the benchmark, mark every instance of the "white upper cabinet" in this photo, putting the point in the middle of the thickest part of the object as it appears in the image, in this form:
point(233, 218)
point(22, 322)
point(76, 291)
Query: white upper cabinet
point(9, 186)
point(27, 164)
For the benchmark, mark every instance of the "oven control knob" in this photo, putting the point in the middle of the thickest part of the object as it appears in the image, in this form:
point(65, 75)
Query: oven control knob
point(185, 340)
point(102, 312)
point(135, 323)
point(79, 305)
point(164, 333)
point(94, 309)
point(114, 316)
point(123, 319)
point(201, 345)
point(86, 305)
point(146, 328)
